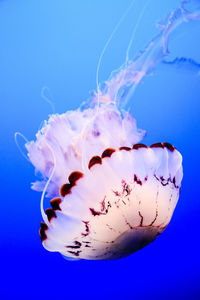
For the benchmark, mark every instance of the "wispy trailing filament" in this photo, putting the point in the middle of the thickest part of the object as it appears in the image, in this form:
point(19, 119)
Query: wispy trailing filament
point(123, 81)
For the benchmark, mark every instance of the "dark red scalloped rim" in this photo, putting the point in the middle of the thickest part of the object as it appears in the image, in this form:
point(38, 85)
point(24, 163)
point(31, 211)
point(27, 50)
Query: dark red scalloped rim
point(55, 203)
point(157, 145)
point(169, 147)
point(73, 177)
point(50, 213)
point(94, 160)
point(108, 152)
point(139, 146)
point(42, 231)
point(76, 175)
point(124, 148)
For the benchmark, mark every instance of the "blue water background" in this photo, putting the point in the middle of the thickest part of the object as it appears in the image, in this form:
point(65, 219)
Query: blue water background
point(57, 44)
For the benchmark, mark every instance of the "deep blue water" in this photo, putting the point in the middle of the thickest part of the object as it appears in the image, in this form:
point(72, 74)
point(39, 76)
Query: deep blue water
point(57, 44)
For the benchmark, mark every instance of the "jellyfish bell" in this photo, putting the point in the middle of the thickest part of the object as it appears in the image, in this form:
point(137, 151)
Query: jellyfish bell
point(121, 204)
point(121, 201)
point(110, 194)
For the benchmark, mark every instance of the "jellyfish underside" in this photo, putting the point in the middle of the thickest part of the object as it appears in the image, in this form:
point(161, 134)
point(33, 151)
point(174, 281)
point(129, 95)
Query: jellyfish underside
point(111, 195)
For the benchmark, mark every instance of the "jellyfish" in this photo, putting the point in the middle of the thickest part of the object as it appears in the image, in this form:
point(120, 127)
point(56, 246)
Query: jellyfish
point(111, 195)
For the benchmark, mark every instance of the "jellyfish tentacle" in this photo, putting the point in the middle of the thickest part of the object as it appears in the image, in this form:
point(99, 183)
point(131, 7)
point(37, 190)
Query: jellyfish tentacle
point(74, 144)
point(123, 81)
point(127, 125)
point(135, 30)
point(16, 135)
point(44, 216)
point(107, 44)
point(46, 98)
point(183, 64)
